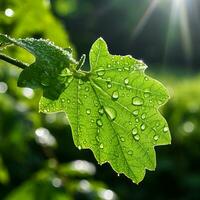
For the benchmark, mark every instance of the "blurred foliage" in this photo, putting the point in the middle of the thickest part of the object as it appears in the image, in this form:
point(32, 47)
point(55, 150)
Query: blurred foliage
point(29, 18)
point(32, 163)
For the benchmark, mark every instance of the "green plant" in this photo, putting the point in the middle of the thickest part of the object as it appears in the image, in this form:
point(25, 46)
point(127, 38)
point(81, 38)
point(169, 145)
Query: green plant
point(112, 109)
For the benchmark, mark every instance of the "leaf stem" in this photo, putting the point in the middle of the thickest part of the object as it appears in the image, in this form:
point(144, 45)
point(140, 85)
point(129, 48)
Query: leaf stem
point(13, 61)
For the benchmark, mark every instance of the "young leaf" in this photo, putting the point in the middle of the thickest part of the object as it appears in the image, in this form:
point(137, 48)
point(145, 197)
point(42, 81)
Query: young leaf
point(50, 69)
point(112, 110)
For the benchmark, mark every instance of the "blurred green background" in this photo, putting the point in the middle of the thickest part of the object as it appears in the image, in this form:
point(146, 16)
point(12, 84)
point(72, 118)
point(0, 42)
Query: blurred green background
point(38, 160)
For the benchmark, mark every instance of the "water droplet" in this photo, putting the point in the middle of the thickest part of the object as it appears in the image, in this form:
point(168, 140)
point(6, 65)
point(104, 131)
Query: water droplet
point(156, 137)
point(70, 79)
point(146, 93)
point(79, 147)
point(130, 152)
point(134, 131)
point(143, 116)
point(126, 81)
point(96, 103)
point(109, 65)
point(101, 111)
point(165, 129)
point(109, 85)
point(81, 82)
point(99, 123)
point(86, 89)
point(101, 73)
point(80, 101)
point(118, 175)
point(137, 137)
point(135, 112)
point(137, 120)
point(126, 68)
point(122, 139)
point(115, 95)
point(143, 126)
point(119, 69)
point(137, 101)
point(97, 138)
point(146, 78)
point(62, 100)
point(88, 111)
point(101, 146)
point(158, 124)
point(68, 101)
point(111, 112)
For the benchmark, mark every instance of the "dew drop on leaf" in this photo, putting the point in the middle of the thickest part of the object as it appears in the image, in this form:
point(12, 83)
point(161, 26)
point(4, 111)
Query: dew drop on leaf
point(101, 73)
point(109, 85)
point(122, 139)
point(111, 112)
point(155, 137)
point(101, 146)
point(115, 95)
point(97, 138)
point(137, 137)
point(126, 81)
point(130, 152)
point(135, 112)
point(79, 147)
point(143, 116)
point(88, 111)
point(137, 120)
point(146, 93)
point(99, 123)
point(146, 78)
point(86, 89)
point(70, 79)
point(101, 111)
point(119, 69)
point(134, 131)
point(137, 101)
point(62, 100)
point(143, 127)
point(165, 129)
point(81, 82)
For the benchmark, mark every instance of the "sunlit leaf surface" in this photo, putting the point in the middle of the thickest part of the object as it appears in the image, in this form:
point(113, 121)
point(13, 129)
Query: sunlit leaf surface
point(112, 109)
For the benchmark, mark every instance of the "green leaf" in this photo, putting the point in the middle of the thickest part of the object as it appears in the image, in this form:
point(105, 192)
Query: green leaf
point(112, 110)
point(50, 69)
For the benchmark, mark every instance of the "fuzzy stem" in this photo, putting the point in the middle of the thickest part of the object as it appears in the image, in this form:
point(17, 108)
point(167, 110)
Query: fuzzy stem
point(13, 61)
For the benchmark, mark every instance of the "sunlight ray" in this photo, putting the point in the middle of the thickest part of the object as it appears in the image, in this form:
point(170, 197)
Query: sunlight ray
point(144, 19)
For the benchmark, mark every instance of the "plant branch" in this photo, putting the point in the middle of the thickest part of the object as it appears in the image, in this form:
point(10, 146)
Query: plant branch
point(13, 61)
